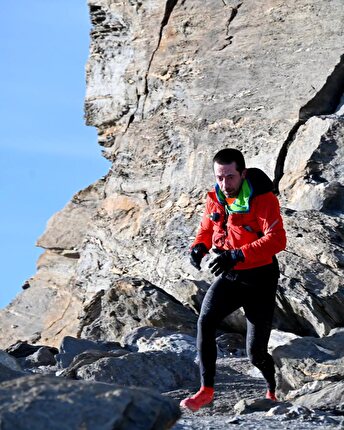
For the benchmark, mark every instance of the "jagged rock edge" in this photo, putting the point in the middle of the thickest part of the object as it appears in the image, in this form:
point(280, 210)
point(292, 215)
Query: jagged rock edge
point(324, 102)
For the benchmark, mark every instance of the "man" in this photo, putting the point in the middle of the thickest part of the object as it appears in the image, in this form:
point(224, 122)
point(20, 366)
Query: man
point(243, 225)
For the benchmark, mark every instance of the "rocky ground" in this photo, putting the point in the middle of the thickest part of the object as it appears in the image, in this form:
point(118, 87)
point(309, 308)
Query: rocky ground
point(240, 403)
point(98, 385)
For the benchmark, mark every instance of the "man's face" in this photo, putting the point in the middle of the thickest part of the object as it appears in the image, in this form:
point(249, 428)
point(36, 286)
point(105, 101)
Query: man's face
point(228, 178)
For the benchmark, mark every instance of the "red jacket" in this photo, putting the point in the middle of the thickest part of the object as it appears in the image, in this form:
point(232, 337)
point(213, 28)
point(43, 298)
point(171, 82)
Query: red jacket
point(259, 233)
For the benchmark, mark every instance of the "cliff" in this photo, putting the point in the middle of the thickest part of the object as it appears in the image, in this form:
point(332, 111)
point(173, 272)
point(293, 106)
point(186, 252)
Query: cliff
point(169, 83)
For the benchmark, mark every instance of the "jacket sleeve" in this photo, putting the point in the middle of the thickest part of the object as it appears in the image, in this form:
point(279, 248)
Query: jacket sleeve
point(267, 211)
point(205, 230)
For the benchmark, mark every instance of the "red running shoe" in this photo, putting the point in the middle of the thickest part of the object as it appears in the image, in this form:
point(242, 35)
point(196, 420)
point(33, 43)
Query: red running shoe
point(202, 398)
point(271, 395)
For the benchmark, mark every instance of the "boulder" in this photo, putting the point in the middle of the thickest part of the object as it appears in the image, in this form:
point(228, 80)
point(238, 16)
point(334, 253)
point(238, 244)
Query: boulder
point(253, 405)
point(129, 304)
point(310, 359)
point(161, 370)
point(39, 402)
point(154, 339)
point(23, 349)
point(231, 344)
point(310, 297)
point(9, 361)
point(278, 338)
point(42, 357)
point(323, 395)
point(9, 367)
point(71, 347)
point(8, 373)
point(85, 358)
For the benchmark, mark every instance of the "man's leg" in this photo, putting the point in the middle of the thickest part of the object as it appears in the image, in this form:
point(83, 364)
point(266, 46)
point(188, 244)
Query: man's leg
point(222, 298)
point(259, 309)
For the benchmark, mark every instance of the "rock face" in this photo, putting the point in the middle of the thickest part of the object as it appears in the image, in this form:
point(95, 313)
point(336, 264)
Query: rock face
point(311, 295)
point(168, 84)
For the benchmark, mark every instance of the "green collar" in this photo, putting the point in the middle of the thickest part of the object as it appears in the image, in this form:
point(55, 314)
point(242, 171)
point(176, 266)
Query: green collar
point(241, 204)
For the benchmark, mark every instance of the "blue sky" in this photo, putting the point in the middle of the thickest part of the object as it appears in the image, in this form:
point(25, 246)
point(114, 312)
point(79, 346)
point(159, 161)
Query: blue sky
point(47, 154)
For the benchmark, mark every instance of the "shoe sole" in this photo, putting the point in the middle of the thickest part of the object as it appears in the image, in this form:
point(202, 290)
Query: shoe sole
point(207, 405)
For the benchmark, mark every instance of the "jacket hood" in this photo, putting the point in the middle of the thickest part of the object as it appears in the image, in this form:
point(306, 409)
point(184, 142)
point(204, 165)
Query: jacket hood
point(260, 182)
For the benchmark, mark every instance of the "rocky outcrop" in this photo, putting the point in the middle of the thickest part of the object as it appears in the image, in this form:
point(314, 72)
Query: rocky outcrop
point(310, 296)
point(48, 309)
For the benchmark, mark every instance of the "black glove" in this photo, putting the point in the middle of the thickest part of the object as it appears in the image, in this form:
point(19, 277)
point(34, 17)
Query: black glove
point(226, 261)
point(196, 255)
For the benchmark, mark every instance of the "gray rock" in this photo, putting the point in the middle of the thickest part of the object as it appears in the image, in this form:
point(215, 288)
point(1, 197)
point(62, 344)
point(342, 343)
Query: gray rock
point(310, 297)
point(310, 359)
point(280, 409)
point(8, 373)
point(231, 344)
point(324, 395)
point(23, 349)
point(86, 358)
point(71, 347)
point(279, 338)
point(38, 403)
point(8, 361)
point(313, 173)
point(129, 304)
point(162, 371)
point(144, 334)
point(190, 292)
point(152, 339)
point(297, 411)
point(253, 405)
point(42, 357)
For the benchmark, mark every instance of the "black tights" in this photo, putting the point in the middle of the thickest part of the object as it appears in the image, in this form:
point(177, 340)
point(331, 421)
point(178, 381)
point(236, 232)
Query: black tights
point(255, 291)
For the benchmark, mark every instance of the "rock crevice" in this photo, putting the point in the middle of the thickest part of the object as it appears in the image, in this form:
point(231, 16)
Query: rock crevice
point(170, 5)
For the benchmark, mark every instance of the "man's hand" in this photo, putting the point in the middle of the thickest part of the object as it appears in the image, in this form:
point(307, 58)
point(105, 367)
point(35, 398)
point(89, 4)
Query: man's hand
point(226, 261)
point(196, 255)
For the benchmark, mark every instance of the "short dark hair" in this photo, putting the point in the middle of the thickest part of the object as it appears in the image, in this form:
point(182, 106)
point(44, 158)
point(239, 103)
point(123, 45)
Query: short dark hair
point(230, 155)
